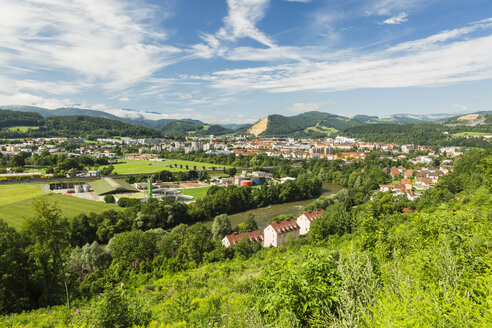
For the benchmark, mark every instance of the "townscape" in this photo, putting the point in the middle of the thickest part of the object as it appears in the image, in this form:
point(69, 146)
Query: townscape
point(245, 164)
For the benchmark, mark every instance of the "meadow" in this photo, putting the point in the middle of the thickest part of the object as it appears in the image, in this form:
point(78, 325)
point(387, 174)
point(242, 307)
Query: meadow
point(140, 166)
point(16, 203)
point(22, 128)
point(471, 134)
point(197, 193)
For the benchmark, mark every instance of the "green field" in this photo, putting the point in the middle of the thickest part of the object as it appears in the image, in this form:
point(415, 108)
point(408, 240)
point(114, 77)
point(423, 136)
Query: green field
point(18, 192)
point(197, 193)
point(471, 134)
point(16, 203)
point(22, 128)
point(321, 128)
point(138, 167)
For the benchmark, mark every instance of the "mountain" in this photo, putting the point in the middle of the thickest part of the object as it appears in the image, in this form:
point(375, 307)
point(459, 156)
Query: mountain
point(305, 124)
point(182, 128)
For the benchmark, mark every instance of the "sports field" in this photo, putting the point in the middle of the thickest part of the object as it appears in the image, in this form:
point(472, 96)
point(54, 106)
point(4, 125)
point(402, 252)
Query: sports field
point(16, 203)
point(139, 166)
point(197, 193)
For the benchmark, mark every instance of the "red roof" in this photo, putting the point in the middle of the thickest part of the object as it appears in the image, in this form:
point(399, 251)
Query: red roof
point(285, 226)
point(253, 236)
point(407, 210)
point(311, 215)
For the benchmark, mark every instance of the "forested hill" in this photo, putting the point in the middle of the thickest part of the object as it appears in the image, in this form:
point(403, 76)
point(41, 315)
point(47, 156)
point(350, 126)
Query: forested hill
point(27, 125)
point(431, 134)
point(10, 118)
point(181, 128)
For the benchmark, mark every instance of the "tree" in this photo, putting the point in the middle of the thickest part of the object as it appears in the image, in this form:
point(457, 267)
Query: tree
point(114, 310)
point(128, 247)
point(109, 199)
point(48, 232)
point(250, 222)
point(221, 227)
point(232, 171)
point(90, 257)
point(13, 264)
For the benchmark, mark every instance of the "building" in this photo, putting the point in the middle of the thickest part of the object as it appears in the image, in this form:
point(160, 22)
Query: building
point(275, 234)
point(232, 239)
point(305, 219)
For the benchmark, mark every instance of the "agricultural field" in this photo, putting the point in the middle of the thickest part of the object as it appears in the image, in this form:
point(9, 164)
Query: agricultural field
point(141, 166)
point(16, 203)
point(197, 193)
point(22, 128)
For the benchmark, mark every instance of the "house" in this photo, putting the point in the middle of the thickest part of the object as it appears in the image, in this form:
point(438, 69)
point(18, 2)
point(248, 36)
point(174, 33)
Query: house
point(384, 188)
point(408, 173)
point(232, 239)
point(276, 232)
point(305, 219)
point(407, 183)
point(394, 172)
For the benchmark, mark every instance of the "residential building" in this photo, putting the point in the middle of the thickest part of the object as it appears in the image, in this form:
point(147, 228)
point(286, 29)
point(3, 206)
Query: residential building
point(275, 234)
point(305, 219)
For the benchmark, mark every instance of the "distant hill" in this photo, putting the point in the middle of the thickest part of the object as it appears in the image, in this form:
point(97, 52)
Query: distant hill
point(183, 128)
point(305, 124)
point(137, 121)
point(68, 126)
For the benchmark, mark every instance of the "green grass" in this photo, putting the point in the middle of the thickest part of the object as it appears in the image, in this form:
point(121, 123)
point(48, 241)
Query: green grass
point(70, 206)
point(22, 128)
point(139, 167)
point(18, 192)
point(197, 193)
point(462, 134)
point(321, 128)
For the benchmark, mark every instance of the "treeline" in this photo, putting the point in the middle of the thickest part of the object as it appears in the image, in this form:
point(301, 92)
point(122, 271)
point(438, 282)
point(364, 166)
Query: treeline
point(72, 126)
point(428, 134)
point(10, 118)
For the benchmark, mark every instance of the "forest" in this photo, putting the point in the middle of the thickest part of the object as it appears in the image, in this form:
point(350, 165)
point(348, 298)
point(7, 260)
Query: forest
point(363, 264)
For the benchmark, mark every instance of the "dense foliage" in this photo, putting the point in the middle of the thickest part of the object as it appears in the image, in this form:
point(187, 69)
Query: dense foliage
point(364, 263)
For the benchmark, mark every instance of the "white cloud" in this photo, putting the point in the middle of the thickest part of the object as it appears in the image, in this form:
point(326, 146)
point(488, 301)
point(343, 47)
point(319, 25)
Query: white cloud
point(241, 20)
point(298, 108)
point(398, 19)
point(425, 62)
point(124, 99)
point(390, 7)
point(104, 43)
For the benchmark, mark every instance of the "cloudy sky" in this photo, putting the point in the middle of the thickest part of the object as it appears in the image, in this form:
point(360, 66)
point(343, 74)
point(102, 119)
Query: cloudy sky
point(239, 60)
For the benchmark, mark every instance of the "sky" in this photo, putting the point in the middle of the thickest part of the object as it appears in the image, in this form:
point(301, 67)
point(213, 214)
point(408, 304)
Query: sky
point(236, 61)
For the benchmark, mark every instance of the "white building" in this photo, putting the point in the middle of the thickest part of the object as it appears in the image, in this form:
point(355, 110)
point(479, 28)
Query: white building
point(275, 234)
point(305, 219)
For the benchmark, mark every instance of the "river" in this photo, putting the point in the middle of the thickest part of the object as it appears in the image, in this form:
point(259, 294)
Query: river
point(263, 215)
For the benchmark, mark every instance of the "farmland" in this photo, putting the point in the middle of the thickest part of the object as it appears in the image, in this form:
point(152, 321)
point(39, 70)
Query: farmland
point(471, 134)
point(16, 203)
point(141, 166)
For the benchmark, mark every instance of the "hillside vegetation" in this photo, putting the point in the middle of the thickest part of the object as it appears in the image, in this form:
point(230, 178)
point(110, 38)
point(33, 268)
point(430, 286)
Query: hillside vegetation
point(363, 264)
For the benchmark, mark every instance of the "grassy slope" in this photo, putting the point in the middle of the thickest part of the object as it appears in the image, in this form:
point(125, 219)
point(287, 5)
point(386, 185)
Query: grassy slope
point(70, 206)
point(137, 166)
point(22, 128)
point(18, 192)
point(197, 193)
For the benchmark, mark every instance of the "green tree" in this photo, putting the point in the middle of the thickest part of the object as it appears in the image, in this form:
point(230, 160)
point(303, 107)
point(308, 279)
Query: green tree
point(232, 171)
point(109, 199)
point(48, 233)
point(114, 310)
point(221, 227)
point(250, 222)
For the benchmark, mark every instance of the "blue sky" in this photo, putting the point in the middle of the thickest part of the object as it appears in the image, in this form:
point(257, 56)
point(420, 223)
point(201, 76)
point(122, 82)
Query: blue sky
point(235, 61)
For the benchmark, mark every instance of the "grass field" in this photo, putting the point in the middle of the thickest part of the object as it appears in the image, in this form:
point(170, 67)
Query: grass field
point(22, 128)
point(70, 206)
point(197, 193)
point(137, 166)
point(18, 192)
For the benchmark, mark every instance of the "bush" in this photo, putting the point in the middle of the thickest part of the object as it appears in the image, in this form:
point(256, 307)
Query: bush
point(114, 310)
point(109, 199)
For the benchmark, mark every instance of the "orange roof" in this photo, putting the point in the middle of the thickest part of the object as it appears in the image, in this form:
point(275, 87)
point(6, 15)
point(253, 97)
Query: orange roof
point(285, 226)
point(253, 236)
point(311, 215)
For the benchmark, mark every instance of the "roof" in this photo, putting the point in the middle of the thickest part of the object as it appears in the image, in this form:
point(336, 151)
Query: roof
point(253, 236)
point(311, 215)
point(107, 186)
point(285, 226)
